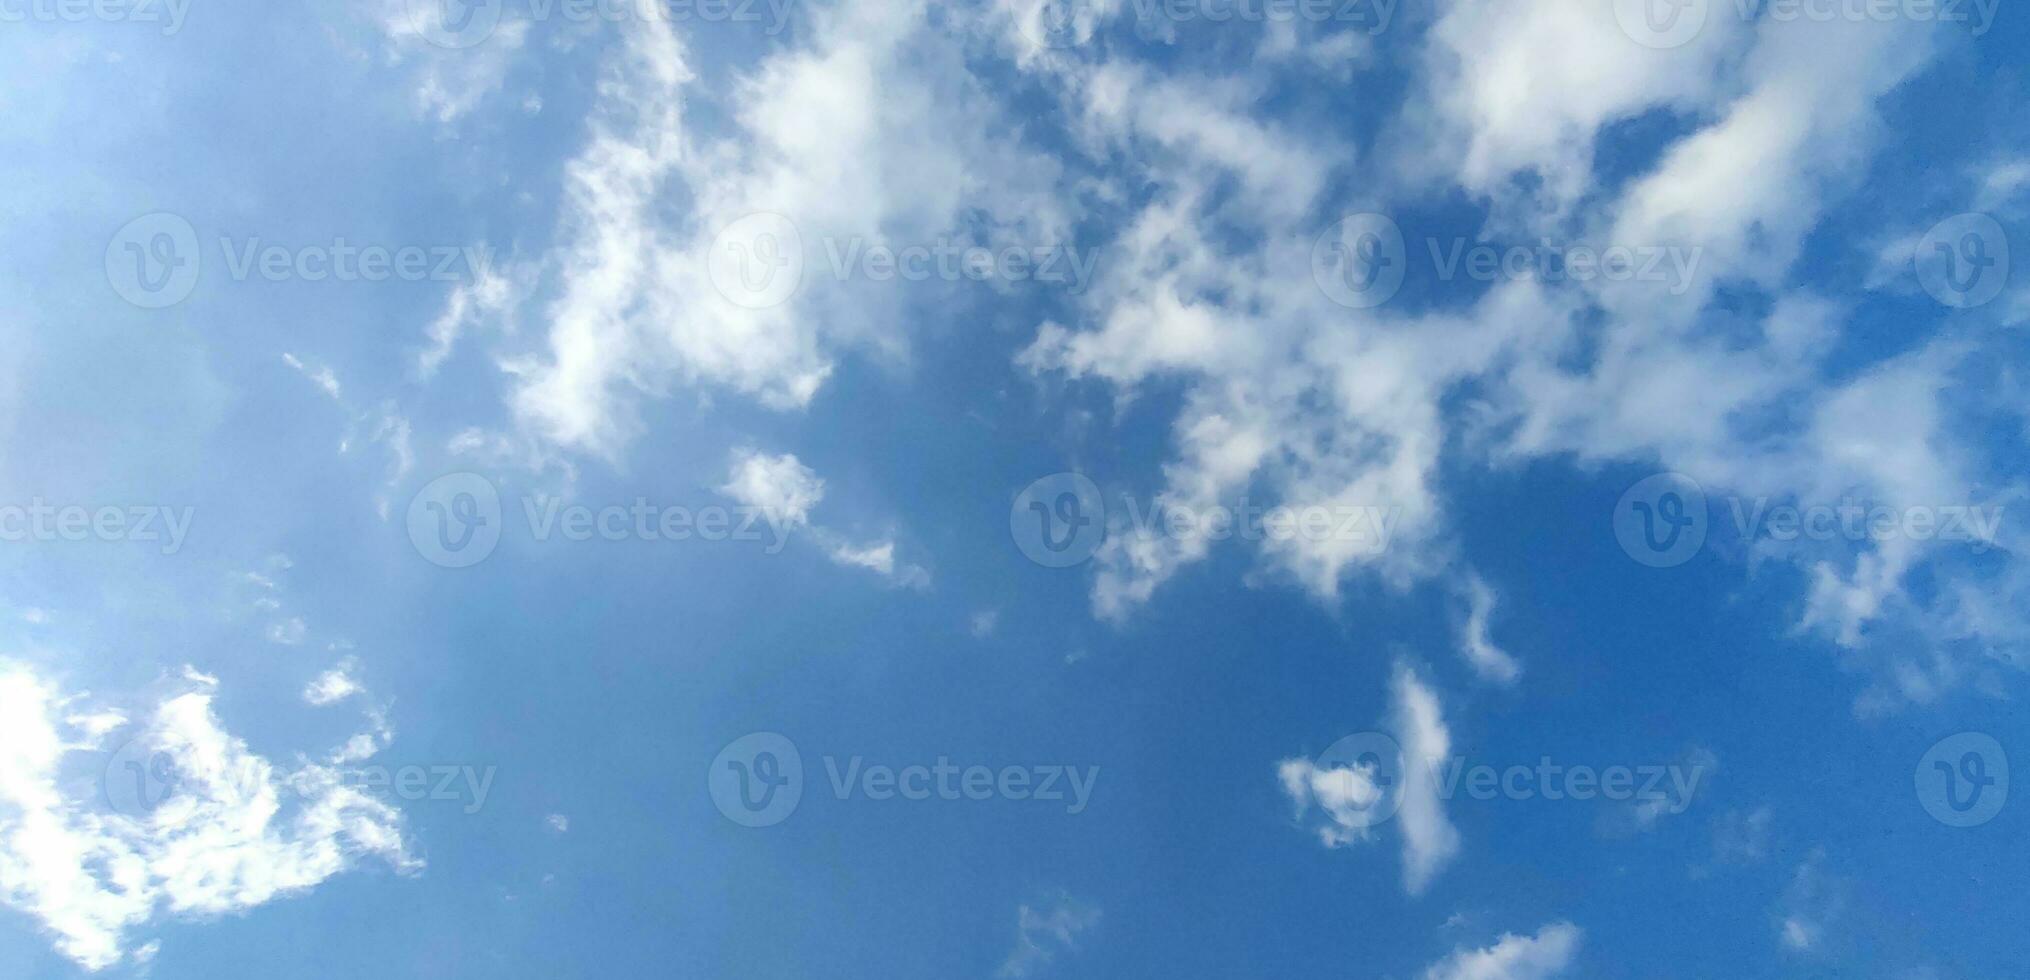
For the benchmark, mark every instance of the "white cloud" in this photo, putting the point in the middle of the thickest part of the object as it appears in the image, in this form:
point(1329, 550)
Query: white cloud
point(786, 490)
point(289, 632)
point(1284, 394)
point(1347, 795)
point(558, 823)
point(1512, 957)
point(1429, 840)
point(1497, 108)
point(1812, 903)
point(230, 831)
point(322, 377)
point(333, 685)
point(778, 486)
point(1490, 661)
point(873, 131)
point(1041, 934)
point(879, 557)
point(448, 82)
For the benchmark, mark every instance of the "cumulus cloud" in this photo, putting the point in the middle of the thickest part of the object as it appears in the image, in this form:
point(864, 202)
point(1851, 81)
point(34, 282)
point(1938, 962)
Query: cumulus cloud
point(199, 827)
point(1346, 794)
point(1512, 957)
point(778, 486)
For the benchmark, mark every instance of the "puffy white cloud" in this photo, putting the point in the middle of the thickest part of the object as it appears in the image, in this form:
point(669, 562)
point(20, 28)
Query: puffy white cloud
point(778, 486)
point(1347, 794)
point(1494, 108)
point(210, 828)
point(333, 685)
point(1512, 957)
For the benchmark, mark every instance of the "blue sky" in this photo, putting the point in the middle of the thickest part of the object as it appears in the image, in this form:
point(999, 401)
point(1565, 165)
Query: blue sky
point(1012, 489)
